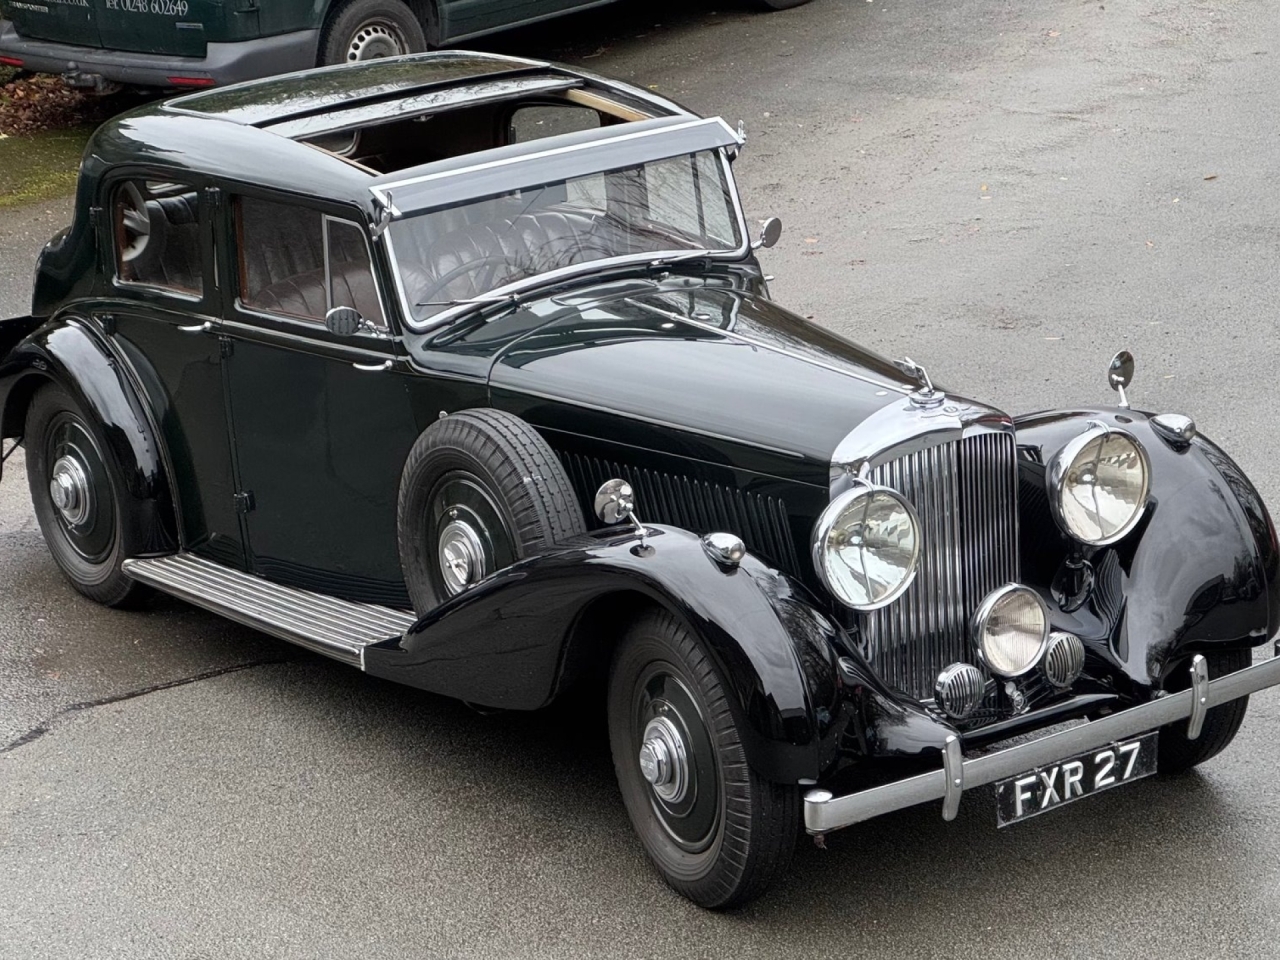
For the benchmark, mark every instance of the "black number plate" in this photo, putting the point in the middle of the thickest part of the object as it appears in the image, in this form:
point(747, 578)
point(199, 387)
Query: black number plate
point(1038, 791)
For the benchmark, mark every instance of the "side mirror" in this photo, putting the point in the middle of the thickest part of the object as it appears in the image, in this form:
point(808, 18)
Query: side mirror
point(770, 232)
point(344, 321)
point(615, 501)
point(1120, 374)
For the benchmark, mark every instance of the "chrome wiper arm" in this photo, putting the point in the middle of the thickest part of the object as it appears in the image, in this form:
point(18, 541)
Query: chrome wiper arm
point(680, 257)
point(483, 298)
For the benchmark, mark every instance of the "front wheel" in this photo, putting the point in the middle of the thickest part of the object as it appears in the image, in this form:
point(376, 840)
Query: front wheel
point(1221, 723)
point(717, 832)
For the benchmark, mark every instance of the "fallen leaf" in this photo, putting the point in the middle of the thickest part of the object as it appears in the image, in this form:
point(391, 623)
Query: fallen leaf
point(810, 239)
point(1150, 244)
point(1211, 176)
point(1053, 338)
point(1055, 33)
point(984, 188)
point(1175, 199)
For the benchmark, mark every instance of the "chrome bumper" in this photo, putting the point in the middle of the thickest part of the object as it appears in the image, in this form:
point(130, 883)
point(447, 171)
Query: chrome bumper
point(824, 811)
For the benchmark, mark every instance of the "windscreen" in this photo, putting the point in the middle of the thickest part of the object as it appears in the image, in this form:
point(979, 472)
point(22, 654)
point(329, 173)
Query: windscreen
point(469, 250)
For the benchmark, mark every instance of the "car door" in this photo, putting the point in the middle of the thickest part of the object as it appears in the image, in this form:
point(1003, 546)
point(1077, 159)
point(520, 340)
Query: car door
point(164, 311)
point(322, 424)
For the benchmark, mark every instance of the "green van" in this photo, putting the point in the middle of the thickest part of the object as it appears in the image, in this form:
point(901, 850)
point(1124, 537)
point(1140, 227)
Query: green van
point(101, 44)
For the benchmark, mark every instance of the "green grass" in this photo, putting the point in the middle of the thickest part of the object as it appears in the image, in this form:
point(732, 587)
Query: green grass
point(40, 166)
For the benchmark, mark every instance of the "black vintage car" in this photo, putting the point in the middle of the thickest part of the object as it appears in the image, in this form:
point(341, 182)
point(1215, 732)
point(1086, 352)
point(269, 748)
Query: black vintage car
point(462, 370)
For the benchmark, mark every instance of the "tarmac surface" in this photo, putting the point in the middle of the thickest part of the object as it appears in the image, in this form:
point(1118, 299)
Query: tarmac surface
point(1008, 192)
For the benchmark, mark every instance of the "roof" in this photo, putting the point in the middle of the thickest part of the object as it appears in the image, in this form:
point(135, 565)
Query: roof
point(245, 132)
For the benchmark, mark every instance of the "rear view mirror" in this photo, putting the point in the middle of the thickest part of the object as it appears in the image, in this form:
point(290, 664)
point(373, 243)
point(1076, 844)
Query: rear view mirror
point(770, 232)
point(344, 321)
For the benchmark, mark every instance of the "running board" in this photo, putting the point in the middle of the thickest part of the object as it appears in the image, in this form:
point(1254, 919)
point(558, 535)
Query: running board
point(336, 628)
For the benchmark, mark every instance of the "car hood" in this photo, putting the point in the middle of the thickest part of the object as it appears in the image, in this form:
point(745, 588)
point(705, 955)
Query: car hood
point(717, 366)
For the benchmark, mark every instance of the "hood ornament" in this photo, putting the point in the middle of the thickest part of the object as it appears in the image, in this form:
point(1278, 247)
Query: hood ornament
point(926, 396)
point(1120, 375)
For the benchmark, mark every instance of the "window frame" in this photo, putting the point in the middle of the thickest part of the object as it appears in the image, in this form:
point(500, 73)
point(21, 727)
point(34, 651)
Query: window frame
point(263, 317)
point(207, 298)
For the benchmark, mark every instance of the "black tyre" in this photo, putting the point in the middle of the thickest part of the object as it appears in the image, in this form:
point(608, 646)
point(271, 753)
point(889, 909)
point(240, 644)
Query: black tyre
point(75, 490)
point(1221, 723)
point(370, 29)
point(717, 832)
point(481, 489)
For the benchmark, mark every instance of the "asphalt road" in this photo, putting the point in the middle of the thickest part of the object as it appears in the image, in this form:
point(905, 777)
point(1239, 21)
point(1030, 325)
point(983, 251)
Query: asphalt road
point(1008, 192)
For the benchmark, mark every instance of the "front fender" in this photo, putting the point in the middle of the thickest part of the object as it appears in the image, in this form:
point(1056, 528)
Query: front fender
point(1200, 570)
point(506, 641)
point(74, 355)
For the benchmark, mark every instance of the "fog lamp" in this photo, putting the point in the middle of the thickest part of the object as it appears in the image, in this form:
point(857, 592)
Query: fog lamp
point(1011, 630)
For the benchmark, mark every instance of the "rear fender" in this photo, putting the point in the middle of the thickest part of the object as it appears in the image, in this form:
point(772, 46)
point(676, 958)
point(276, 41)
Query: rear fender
point(1198, 573)
point(511, 641)
point(75, 355)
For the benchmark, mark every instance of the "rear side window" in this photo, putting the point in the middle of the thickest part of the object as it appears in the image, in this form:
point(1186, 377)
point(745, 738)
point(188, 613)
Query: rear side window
point(299, 262)
point(158, 236)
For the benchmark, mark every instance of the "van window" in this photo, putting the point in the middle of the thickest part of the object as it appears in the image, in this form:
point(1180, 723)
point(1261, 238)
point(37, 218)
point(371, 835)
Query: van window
point(157, 235)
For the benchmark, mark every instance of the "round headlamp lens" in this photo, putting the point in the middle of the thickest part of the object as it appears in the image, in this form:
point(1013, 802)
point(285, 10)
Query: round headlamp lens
point(1101, 484)
point(866, 547)
point(1011, 630)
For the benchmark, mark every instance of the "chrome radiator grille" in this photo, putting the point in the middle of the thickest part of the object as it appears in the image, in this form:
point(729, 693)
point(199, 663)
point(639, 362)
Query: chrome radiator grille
point(965, 493)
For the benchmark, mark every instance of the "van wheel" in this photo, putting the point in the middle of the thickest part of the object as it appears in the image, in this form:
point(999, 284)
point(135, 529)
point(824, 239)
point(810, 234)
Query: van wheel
point(75, 486)
point(370, 30)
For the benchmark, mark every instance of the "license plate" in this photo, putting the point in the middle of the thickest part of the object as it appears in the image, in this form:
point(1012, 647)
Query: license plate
point(1039, 791)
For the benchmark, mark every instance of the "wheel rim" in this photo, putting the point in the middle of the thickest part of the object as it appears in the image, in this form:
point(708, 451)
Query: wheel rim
point(468, 532)
point(375, 39)
point(79, 489)
point(676, 758)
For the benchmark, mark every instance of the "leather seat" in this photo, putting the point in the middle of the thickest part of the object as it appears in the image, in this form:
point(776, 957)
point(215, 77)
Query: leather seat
point(172, 255)
point(304, 295)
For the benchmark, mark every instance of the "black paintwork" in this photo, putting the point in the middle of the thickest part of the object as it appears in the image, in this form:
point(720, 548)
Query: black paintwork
point(259, 445)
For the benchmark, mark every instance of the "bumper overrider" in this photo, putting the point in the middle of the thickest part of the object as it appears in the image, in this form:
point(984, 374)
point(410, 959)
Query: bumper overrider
point(824, 812)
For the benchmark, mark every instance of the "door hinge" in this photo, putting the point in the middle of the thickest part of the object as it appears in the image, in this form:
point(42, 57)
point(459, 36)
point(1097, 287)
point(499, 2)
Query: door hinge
point(225, 348)
point(244, 502)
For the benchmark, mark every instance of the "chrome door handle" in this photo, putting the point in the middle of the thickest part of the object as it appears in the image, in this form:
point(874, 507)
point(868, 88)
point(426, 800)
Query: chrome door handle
point(198, 328)
point(373, 367)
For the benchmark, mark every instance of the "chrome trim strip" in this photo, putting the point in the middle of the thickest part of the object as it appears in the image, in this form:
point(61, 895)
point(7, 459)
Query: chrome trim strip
point(336, 628)
point(824, 812)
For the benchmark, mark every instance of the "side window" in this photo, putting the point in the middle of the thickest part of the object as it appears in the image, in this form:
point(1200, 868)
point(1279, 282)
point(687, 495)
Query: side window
point(157, 235)
point(299, 262)
point(542, 120)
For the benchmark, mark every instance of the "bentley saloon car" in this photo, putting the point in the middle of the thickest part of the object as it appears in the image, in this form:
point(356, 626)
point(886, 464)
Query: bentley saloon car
point(462, 370)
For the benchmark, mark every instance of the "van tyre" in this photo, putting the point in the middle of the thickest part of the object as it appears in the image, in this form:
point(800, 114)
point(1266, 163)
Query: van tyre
point(372, 29)
point(76, 489)
point(718, 832)
point(479, 491)
point(1177, 754)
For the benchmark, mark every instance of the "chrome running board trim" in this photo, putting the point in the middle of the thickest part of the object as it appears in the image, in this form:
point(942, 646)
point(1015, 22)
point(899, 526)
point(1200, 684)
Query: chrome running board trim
point(336, 628)
point(824, 812)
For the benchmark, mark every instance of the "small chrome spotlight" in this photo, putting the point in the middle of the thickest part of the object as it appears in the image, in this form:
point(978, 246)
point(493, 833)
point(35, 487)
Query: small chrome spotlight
point(724, 548)
point(1063, 659)
point(961, 687)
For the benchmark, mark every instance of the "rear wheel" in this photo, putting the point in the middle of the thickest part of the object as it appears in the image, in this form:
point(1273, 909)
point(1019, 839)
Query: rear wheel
point(1221, 723)
point(74, 491)
point(768, 5)
point(717, 832)
point(371, 29)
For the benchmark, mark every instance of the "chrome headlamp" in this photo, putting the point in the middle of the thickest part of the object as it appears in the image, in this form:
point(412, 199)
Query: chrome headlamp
point(866, 546)
point(1098, 485)
point(1011, 630)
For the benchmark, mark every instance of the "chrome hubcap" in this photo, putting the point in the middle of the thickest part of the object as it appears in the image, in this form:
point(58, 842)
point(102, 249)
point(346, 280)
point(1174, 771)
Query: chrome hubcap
point(461, 555)
point(664, 762)
point(69, 490)
point(374, 40)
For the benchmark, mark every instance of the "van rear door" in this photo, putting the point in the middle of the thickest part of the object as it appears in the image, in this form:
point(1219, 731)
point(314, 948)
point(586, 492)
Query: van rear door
point(179, 28)
point(62, 21)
